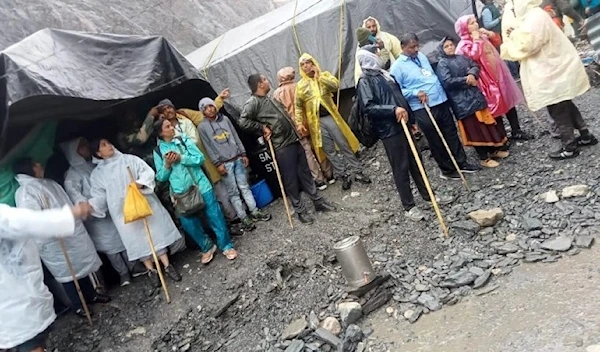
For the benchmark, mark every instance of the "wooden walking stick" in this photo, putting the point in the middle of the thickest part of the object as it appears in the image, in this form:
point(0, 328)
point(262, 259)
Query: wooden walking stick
point(163, 283)
point(437, 128)
point(425, 179)
point(72, 271)
point(285, 202)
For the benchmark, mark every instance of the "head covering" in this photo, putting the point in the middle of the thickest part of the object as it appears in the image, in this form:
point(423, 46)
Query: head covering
point(166, 102)
point(522, 7)
point(362, 36)
point(441, 52)
point(307, 57)
point(285, 75)
point(204, 102)
point(368, 60)
point(371, 18)
point(462, 27)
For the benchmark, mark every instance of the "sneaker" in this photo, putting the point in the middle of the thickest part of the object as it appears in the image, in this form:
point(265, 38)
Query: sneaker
point(305, 218)
point(500, 154)
point(154, 279)
point(231, 254)
point(441, 200)
point(321, 186)
point(125, 280)
point(346, 183)
point(100, 298)
point(172, 273)
point(260, 215)
point(362, 178)
point(414, 214)
point(325, 206)
point(331, 180)
point(521, 136)
point(450, 175)
point(562, 154)
point(489, 163)
point(235, 230)
point(138, 270)
point(248, 224)
point(469, 168)
point(208, 256)
point(590, 140)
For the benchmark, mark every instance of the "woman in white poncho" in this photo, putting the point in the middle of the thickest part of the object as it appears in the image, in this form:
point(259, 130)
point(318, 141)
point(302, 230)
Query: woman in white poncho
point(110, 179)
point(37, 193)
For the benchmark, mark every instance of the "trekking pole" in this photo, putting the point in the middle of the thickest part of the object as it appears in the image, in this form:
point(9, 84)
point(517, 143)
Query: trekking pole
point(437, 128)
point(285, 202)
point(63, 247)
point(163, 283)
point(413, 148)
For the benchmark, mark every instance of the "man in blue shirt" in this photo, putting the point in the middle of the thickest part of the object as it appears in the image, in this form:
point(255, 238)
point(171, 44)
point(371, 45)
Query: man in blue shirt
point(419, 84)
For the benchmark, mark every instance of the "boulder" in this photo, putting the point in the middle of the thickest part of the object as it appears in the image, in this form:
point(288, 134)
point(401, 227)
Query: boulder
point(350, 312)
point(575, 191)
point(487, 218)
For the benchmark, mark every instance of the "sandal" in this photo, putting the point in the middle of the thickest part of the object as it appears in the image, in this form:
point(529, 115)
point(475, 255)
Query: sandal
point(490, 163)
point(500, 154)
point(208, 256)
point(231, 254)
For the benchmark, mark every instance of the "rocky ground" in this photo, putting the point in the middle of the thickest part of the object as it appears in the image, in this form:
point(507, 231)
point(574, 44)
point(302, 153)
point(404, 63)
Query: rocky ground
point(288, 283)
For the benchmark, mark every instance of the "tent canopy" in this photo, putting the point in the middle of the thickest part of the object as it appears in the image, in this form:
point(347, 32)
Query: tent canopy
point(268, 43)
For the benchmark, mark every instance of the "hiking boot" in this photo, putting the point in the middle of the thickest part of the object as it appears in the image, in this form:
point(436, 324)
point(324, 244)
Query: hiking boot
point(138, 270)
point(154, 279)
point(305, 218)
point(414, 214)
point(346, 183)
point(441, 200)
point(248, 224)
point(521, 136)
point(172, 273)
point(321, 186)
point(469, 168)
point(125, 280)
point(362, 178)
point(325, 206)
point(100, 298)
point(500, 154)
point(208, 256)
point(260, 215)
point(450, 175)
point(563, 154)
point(230, 254)
point(489, 163)
point(587, 141)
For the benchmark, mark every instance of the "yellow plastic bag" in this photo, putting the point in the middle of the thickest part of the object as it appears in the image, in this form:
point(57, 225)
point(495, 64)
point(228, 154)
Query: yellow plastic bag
point(136, 206)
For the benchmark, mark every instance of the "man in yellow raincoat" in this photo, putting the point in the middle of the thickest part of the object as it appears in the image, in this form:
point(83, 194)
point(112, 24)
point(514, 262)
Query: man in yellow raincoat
point(327, 128)
point(551, 72)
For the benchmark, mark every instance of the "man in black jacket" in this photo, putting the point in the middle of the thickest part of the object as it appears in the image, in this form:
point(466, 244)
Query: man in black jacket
point(263, 115)
point(381, 101)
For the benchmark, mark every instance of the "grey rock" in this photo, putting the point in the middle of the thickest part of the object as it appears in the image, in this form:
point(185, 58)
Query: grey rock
point(294, 329)
point(487, 290)
point(584, 241)
point(413, 315)
point(421, 287)
point(313, 320)
point(352, 338)
point(482, 280)
point(429, 302)
point(350, 312)
point(486, 231)
point(476, 270)
point(531, 224)
point(327, 337)
point(549, 197)
point(295, 346)
point(467, 226)
point(508, 248)
point(534, 257)
point(459, 279)
point(575, 191)
point(559, 244)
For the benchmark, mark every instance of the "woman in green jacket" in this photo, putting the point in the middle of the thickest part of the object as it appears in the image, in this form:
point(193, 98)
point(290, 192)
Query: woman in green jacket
point(178, 160)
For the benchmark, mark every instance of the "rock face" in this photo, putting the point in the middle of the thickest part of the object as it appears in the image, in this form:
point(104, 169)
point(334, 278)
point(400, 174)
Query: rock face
point(487, 218)
point(188, 24)
point(575, 191)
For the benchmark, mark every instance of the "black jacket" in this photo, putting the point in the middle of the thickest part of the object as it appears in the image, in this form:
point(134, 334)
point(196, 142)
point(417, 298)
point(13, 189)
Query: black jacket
point(266, 111)
point(452, 72)
point(378, 99)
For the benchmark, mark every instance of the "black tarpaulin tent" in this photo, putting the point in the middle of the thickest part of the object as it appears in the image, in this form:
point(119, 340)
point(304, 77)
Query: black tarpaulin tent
point(271, 42)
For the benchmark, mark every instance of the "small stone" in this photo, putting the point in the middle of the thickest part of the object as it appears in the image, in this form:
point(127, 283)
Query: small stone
point(487, 290)
point(476, 270)
point(137, 331)
point(482, 279)
point(534, 257)
point(486, 231)
point(294, 329)
point(559, 244)
point(295, 346)
point(593, 348)
point(350, 312)
point(332, 325)
point(550, 197)
point(459, 279)
point(467, 226)
point(327, 337)
point(584, 241)
point(508, 248)
point(354, 194)
point(429, 302)
point(487, 218)
point(352, 338)
point(390, 311)
point(416, 314)
point(496, 271)
point(421, 287)
point(511, 237)
point(313, 320)
point(532, 224)
point(575, 191)
point(408, 314)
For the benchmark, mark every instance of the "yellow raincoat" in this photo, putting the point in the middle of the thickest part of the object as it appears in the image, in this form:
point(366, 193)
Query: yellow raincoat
point(310, 94)
point(392, 48)
point(551, 70)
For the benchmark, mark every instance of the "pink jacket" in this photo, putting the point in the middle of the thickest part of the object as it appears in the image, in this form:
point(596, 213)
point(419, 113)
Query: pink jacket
point(502, 94)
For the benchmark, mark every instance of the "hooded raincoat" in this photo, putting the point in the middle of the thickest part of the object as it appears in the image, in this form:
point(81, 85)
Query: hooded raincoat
point(26, 304)
point(391, 51)
point(286, 93)
point(38, 194)
point(109, 186)
point(310, 94)
point(495, 80)
point(551, 70)
point(78, 186)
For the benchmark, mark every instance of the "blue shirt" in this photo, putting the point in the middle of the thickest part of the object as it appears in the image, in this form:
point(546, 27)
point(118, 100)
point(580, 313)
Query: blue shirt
point(488, 21)
point(590, 3)
point(415, 75)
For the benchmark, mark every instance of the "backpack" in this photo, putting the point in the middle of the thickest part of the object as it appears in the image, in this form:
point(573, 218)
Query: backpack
point(361, 125)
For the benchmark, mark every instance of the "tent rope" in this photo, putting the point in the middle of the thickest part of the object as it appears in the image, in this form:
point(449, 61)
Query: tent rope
point(342, 4)
point(208, 61)
point(296, 39)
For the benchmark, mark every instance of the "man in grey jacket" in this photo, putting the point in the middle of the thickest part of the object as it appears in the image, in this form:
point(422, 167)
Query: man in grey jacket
point(226, 151)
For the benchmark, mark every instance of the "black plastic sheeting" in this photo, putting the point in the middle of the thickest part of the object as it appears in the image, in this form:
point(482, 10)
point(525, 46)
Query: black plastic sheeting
point(268, 43)
point(56, 74)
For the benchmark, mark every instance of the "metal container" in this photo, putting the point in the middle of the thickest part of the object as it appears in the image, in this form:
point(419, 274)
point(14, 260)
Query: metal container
point(355, 262)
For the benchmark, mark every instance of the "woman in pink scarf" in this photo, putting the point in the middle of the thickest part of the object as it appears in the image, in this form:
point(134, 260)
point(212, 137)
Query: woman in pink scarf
point(497, 84)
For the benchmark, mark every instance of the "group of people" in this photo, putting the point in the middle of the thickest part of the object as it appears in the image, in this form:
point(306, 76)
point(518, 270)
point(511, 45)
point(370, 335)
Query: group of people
point(173, 151)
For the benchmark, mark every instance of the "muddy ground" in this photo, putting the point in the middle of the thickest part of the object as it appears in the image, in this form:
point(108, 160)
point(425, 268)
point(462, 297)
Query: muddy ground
point(282, 274)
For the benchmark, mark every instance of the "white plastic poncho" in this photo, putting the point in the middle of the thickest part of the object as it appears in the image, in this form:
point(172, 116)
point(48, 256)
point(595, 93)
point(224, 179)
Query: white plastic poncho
point(551, 70)
point(78, 186)
point(109, 186)
point(38, 194)
point(26, 305)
